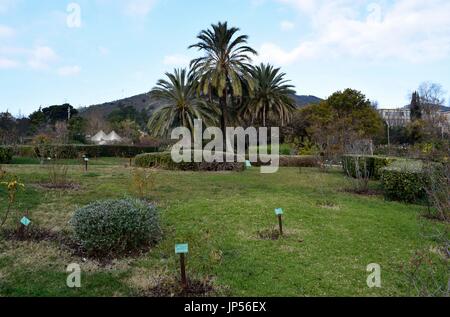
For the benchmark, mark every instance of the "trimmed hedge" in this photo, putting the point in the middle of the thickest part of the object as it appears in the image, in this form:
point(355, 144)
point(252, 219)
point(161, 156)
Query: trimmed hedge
point(6, 155)
point(294, 161)
point(164, 160)
point(72, 151)
point(405, 181)
point(374, 164)
point(116, 226)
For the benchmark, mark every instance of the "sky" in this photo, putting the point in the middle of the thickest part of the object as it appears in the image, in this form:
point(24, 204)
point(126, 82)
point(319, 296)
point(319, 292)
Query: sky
point(88, 52)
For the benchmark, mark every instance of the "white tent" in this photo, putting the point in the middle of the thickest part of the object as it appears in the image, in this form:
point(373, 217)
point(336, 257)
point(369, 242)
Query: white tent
point(99, 137)
point(113, 137)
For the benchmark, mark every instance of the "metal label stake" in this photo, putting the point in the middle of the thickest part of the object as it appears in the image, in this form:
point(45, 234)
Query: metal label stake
point(279, 213)
point(182, 249)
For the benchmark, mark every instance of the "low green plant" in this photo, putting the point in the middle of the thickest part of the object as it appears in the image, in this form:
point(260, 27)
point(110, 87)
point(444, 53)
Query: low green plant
point(438, 190)
point(6, 155)
point(405, 181)
point(121, 226)
point(12, 185)
point(142, 182)
point(355, 165)
point(164, 161)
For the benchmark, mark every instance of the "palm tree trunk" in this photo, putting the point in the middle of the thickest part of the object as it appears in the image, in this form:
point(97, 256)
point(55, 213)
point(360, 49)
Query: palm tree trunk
point(264, 116)
point(223, 119)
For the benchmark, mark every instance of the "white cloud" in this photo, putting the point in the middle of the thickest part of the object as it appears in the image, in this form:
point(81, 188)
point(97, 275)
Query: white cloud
point(139, 7)
point(6, 31)
point(287, 25)
point(6, 63)
point(176, 60)
point(69, 71)
point(411, 30)
point(42, 57)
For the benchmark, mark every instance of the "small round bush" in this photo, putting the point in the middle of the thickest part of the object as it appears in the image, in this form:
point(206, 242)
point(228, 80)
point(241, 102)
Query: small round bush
point(116, 226)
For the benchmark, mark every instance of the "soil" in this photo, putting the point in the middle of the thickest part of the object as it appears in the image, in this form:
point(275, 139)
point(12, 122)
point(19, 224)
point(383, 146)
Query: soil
point(173, 288)
point(269, 234)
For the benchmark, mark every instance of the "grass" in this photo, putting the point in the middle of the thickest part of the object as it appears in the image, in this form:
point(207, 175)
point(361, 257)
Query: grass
point(325, 251)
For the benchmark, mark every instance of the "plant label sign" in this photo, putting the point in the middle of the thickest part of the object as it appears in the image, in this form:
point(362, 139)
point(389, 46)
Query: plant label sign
point(86, 159)
point(25, 221)
point(279, 211)
point(248, 164)
point(181, 248)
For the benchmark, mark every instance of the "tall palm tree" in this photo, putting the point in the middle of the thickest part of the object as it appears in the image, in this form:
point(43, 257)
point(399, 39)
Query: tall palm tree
point(224, 66)
point(271, 95)
point(180, 104)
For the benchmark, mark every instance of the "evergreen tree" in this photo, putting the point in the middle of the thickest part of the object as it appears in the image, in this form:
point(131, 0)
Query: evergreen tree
point(416, 110)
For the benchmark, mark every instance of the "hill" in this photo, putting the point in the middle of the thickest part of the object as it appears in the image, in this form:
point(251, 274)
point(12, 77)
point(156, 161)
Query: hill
point(143, 101)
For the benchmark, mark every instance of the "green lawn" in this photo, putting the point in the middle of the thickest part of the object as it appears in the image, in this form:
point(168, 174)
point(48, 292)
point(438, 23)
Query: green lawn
point(331, 235)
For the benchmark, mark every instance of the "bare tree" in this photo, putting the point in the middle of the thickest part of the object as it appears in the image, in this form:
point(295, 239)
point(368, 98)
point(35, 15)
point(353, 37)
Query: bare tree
point(431, 97)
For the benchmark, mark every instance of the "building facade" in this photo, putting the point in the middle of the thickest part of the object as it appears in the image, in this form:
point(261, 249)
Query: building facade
point(396, 117)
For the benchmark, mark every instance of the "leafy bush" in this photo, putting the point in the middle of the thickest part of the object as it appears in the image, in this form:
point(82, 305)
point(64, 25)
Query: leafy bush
point(438, 190)
point(405, 181)
point(292, 161)
point(284, 149)
point(24, 151)
point(367, 164)
point(164, 161)
point(116, 226)
point(6, 155)
point(73, 151)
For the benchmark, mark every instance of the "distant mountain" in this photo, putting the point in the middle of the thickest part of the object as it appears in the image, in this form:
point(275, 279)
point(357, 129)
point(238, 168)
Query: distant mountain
point(143, 101)
point(441, 108)
point(303, 101)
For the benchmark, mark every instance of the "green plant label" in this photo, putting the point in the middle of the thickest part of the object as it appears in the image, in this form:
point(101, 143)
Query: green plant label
point(181, 248)
point(25, 221)
point(248, 164)
point(279, 211)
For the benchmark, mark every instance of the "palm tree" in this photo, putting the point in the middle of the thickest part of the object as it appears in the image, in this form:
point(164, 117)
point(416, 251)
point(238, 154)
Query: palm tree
point(271, 95)
point(180, 104)
point(224, 66)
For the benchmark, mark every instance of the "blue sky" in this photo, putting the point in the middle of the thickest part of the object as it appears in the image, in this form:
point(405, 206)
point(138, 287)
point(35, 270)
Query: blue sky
point(121, 47)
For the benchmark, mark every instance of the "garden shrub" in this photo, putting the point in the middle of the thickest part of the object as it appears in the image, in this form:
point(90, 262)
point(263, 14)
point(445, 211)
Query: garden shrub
point(405, 181)
point(74, 151)
point(298, 161)
point(116, 226)
point(6, 155)
point(373, 165)
point(164, 161)
point(293, 161)
point(24, 151)
point(284, 149)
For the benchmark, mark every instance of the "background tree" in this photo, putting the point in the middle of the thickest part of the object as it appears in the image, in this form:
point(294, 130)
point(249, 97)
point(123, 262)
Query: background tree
point(180, 104)
point(128, 129)
point(339, 121)
point(54, 114)
point(270, 95)
point(416, 111)
point(355, 115)
point(8, 134)
point(129, 113)
point(77, 129)
point(37, 119)
point(224, 66)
